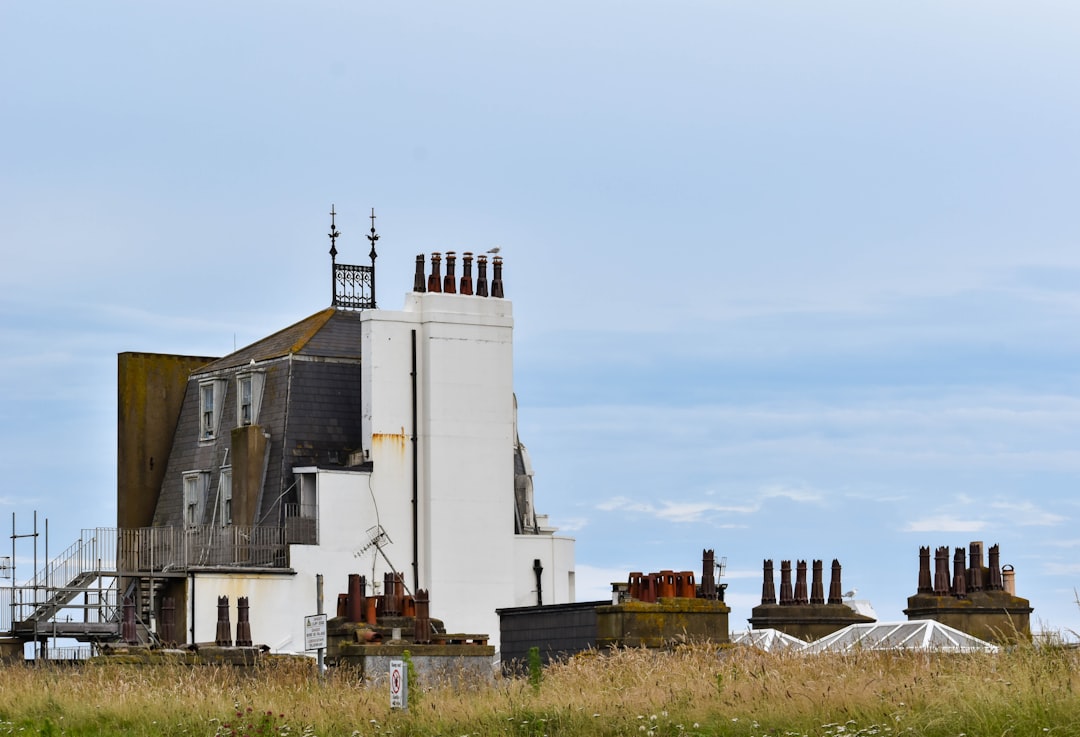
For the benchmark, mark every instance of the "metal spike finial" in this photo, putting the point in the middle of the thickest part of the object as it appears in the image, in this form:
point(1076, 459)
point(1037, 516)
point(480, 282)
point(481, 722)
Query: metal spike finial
point(373, 237)
point(333, 234)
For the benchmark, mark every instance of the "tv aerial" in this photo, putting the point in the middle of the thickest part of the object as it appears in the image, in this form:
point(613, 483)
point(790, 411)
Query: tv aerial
point(377, 537)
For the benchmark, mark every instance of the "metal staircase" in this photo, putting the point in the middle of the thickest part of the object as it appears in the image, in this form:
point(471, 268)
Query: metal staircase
point(78, 594)
point(74, 595)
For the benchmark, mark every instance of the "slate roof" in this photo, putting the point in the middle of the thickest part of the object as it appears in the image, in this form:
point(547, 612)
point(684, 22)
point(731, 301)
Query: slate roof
point(331, 333)
point(311, 410)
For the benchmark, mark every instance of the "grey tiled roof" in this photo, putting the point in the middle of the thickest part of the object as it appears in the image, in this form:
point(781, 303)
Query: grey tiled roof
point(331, 333)
point(311, 410)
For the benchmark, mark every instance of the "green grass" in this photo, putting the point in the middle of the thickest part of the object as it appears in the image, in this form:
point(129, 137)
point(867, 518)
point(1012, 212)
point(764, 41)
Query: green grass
point(692, 691)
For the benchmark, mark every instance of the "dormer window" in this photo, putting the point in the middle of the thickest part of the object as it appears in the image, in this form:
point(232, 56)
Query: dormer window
point(248, 398)
point(211, 397)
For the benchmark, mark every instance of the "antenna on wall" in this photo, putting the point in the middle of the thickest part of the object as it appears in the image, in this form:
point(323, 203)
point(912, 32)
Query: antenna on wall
point(377, 538)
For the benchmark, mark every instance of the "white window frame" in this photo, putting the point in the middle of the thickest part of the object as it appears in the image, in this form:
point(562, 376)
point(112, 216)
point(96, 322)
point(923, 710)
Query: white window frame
point(195, 484)
point(307, 494)
point(212, 393)
point(226, 496)
point(254, 381)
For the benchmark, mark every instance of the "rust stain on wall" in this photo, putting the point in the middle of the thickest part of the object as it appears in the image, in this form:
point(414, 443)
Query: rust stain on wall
point(395, 442)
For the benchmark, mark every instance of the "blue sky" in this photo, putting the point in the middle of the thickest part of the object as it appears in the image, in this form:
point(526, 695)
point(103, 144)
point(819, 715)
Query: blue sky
point(791, 281)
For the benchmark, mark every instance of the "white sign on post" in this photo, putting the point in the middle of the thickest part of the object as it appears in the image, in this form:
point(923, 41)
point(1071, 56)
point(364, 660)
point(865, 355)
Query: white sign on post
point(315, 632)
point(399, 685)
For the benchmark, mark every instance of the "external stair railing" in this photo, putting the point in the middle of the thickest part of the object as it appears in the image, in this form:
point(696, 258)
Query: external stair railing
point(94, 565)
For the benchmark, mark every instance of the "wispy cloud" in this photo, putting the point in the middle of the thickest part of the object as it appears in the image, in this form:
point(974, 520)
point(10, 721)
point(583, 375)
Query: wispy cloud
point(1028, 515)
point(791, 493)
point(1061, 569)
point(571, 524)
point(945, 523)
point(673, 511)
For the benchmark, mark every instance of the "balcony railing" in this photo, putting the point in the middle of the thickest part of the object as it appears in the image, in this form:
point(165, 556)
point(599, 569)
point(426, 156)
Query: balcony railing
point(177, 549)
point(79, 585)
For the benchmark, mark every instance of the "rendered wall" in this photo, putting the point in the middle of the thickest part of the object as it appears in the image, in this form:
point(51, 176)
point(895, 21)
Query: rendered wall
point(276, 600)
point(150, 392)
point(556, 555)
point(464, 456)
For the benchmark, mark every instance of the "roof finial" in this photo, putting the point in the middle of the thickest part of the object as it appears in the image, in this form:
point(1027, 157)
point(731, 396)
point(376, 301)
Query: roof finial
point(333, 234)
point(373, 237)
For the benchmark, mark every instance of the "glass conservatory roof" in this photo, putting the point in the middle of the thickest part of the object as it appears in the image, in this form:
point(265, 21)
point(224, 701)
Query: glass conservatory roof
point(925, 634)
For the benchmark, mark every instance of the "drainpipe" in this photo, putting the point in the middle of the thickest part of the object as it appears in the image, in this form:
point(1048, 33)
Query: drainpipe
point(415, 480)
point(191, 598)
point(538, 569)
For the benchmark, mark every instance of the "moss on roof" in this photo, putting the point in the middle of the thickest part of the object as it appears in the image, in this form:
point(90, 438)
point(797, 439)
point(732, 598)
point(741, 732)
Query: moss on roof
point(339, 331)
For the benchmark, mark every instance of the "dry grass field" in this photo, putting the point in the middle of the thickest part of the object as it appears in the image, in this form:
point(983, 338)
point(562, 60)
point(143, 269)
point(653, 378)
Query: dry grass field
point(692, 691)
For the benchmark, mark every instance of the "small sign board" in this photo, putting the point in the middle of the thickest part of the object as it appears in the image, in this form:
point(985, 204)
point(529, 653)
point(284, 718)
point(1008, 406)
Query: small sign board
point(315, 632)
point(399, 685)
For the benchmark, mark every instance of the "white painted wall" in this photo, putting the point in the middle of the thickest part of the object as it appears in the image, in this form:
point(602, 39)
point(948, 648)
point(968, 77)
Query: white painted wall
point(556, 555)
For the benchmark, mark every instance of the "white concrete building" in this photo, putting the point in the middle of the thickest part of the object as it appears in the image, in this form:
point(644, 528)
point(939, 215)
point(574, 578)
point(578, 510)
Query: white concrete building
point(356, 441)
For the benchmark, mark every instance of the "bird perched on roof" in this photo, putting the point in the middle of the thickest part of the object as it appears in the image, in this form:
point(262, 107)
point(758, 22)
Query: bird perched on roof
point(496, 249)
point(851, 594)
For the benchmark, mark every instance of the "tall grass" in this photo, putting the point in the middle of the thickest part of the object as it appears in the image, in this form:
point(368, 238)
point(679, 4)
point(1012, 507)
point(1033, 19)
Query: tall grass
point(692, 691)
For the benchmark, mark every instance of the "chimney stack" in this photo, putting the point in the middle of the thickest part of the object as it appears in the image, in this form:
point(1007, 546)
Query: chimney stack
point(925, 586)
point(817, 590)
point(434, 282)
point(466, 273)
point(496, 278)
point(481, 276)
point(786, 598)
point(450, 282)
point(768, 588)
point(836, 595)
point(959, 587)
point(801, 595)
point(995, 569)
point(418, 284)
